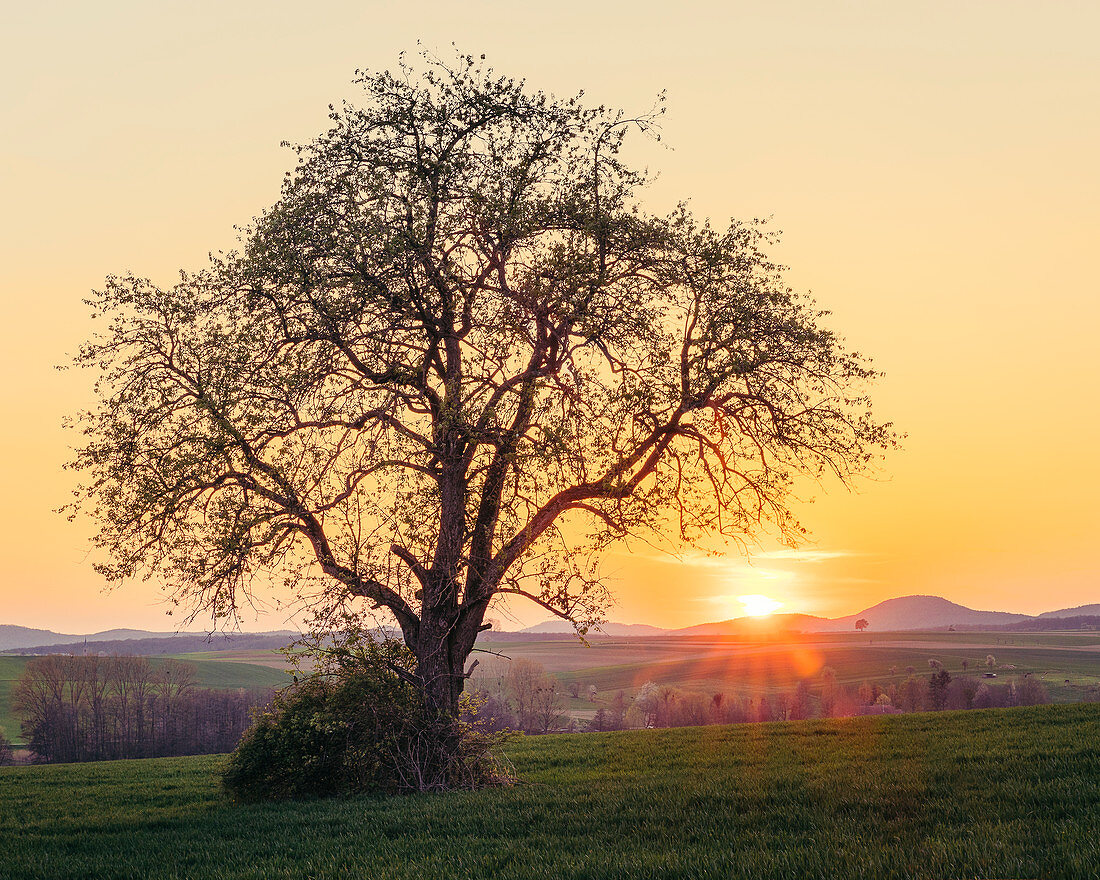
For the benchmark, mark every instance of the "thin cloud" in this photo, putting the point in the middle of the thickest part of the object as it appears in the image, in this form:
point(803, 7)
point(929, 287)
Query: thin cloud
point(698, 559)
point(788, 555)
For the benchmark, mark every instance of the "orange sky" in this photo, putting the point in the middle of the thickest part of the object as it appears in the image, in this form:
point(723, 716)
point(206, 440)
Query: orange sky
point(933, 166)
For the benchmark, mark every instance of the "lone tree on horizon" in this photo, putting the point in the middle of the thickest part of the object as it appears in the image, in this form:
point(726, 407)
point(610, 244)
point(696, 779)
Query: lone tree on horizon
point(862, 624)
point(455, 361)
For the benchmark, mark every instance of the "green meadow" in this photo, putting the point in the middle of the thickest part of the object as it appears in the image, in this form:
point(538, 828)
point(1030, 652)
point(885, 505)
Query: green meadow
point(10, 670)
point(992, 793)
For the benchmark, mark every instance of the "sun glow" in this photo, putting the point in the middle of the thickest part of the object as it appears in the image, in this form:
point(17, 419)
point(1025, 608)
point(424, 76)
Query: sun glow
point(759, 606)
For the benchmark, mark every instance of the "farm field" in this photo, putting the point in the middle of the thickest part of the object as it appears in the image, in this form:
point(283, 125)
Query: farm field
point(256, 656)
point(747, 666)
point(10, 670)
point(990, 793)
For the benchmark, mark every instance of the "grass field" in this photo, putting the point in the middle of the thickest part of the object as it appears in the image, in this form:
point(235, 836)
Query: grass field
point(10, 670)
point(994, 793)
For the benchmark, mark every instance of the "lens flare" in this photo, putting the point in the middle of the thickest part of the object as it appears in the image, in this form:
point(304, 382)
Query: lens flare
point(759, 606)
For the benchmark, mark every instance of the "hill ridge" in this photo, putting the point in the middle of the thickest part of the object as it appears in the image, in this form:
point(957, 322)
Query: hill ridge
point(913, 612)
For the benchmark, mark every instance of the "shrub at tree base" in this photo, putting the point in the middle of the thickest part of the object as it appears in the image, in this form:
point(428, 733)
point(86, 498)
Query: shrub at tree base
point(355, 726)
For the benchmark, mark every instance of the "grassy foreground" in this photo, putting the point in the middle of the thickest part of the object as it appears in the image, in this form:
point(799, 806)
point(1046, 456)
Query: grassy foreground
point(994, 793)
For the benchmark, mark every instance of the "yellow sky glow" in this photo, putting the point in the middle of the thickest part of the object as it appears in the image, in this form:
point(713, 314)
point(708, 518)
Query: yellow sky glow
point(755, 605)
point(933, 167)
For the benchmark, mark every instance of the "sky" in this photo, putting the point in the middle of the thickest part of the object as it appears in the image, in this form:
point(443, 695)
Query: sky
point(933, 168)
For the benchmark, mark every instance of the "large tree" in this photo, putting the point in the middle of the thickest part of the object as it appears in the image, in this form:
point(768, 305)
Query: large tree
point(454, 361)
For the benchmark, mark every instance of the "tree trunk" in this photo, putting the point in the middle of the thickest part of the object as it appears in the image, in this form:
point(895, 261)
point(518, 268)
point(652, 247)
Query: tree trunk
point(440, 677)
point(444, 642)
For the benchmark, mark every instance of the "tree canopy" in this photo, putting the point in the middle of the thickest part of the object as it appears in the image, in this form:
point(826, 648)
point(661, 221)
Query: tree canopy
point(456, 360)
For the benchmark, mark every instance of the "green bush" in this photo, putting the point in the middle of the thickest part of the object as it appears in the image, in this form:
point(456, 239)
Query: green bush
point(358, 725)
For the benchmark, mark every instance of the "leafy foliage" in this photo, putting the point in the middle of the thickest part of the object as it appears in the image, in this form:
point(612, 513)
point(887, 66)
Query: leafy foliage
point(359, 724)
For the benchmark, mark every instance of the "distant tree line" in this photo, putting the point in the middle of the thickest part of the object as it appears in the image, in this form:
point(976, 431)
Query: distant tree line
point(99, 708)
point(523, 698)
point(526, 698)
point(1088, 622)
point(180, 643)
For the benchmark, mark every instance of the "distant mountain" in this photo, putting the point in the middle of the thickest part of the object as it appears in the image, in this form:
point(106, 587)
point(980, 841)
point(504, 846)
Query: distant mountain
point(178, 643)
point(903, 613)
point(1079, 611)
point(1044, 624)
point(922, 612)
point(608, 629)
point(24, 637)
point(740, 626)
point(136, 641)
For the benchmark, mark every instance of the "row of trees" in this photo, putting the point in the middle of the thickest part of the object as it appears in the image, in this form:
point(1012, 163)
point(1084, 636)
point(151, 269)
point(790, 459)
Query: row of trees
point(99, 708)
point(665, 706)
point(523, 698)
point(941, 691)
point(526, 698)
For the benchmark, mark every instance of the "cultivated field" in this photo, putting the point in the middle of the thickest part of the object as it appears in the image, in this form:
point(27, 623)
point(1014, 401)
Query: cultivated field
point(991, 793)
point(10, 670)
point(753, 666)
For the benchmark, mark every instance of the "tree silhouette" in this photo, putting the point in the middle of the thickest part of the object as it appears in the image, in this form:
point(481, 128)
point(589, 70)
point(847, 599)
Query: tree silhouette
point(862, 624)
point(455, 361)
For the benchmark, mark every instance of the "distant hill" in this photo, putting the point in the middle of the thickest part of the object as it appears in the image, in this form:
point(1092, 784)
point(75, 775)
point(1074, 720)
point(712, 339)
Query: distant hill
point(1079, 611)
point(608, 629)
point(902, 613)
point(15, 637)
point(739, 626)
point(922, 612)
point(134, 641)
point(1044, 624)
point(906, 612)
point(181, 643)
point(24, 637)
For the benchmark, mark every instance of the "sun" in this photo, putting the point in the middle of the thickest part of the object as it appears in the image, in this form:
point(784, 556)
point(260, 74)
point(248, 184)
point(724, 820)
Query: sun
point(759, 606)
